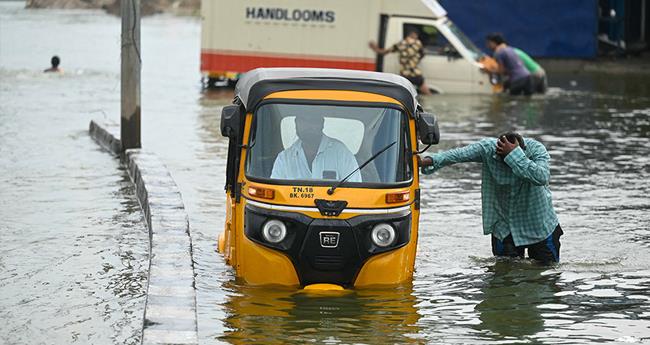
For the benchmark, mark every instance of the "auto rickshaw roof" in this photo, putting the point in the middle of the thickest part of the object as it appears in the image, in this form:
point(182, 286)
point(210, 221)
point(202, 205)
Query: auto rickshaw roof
point(256, 84)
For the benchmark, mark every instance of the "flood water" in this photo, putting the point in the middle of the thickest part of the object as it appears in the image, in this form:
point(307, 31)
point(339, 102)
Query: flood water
point(73, 253)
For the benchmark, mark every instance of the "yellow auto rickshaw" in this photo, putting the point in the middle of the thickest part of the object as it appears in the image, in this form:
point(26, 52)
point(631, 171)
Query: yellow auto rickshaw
point(322, 178)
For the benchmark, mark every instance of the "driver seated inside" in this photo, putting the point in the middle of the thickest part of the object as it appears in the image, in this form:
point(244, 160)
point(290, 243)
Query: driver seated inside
point(314, 155)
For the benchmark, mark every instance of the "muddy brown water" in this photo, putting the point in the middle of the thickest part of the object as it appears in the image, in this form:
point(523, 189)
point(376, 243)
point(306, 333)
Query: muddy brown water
point(73, 254)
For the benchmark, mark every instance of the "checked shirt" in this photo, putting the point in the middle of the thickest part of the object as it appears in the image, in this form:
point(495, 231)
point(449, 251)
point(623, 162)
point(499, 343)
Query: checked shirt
point(514, 191)
point(410, 54)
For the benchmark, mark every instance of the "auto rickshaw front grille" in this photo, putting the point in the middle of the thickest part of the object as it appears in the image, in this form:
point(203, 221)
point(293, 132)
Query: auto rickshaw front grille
point(329, 262)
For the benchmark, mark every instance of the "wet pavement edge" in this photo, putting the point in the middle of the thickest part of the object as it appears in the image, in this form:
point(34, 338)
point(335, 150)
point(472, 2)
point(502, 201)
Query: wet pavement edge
point(170, 310)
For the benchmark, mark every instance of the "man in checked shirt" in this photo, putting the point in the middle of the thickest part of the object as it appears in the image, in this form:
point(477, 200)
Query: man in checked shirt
point(517, 206)
point(410, 51)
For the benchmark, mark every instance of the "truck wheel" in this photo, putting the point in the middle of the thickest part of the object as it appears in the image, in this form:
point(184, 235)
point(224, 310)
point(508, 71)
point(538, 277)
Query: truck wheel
point(212, 83)
point(215, 83)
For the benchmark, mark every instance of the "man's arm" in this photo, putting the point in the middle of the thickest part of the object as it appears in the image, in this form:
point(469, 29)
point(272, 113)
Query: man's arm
point(498, 57)
point(470, 153)
point(534, 169)
point(381, 51)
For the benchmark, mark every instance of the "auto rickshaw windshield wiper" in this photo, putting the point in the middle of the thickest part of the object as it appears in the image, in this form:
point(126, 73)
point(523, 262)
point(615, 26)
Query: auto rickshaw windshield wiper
point(333, 188)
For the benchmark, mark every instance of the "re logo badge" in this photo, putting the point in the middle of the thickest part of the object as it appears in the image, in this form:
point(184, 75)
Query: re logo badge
point(329, 239)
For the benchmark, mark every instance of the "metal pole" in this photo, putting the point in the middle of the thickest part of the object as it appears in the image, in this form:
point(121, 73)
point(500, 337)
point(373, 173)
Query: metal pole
point(643, 19)
point(130, 75)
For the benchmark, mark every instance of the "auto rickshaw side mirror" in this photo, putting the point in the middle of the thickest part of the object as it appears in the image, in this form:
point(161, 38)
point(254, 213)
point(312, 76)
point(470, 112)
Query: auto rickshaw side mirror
point(428, 131)
point(230, 121)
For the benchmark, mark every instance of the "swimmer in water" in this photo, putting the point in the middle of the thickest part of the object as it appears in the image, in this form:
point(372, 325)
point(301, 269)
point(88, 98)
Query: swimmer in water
point(55, 65)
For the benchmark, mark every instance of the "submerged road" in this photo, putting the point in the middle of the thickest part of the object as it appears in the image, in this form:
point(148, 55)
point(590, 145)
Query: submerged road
point(74, 246)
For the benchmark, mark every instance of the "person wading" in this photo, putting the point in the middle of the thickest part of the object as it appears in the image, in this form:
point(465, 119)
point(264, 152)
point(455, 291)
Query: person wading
point(410, 53)
point(516, 199)
point(537, 73)
point(518, 80)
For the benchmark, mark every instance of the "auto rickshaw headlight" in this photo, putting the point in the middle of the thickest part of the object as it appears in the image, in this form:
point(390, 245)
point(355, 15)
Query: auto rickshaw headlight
point(383, 235)
point(274, 231)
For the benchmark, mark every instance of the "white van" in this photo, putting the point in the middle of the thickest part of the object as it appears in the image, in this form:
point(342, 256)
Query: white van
point(241, 35)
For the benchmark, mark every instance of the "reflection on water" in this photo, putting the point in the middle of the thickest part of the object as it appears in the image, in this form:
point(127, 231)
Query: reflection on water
point(511, 298)
point(74, 246)
point(276, 316)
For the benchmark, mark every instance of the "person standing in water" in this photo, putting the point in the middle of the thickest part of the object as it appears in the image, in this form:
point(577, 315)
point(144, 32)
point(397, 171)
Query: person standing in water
point(510, 66)
point(516, 200)
point(410, 51)
point(537, 73)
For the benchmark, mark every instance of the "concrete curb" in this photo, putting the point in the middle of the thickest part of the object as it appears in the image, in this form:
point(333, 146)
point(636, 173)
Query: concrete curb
point(106, 136)
point(170, 309)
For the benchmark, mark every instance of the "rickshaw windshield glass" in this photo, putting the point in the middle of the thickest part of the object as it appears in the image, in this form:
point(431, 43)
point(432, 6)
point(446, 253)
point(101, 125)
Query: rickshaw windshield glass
point(322, 144)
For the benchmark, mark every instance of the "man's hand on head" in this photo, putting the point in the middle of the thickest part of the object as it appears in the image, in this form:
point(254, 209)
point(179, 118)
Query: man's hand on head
point(504, 147)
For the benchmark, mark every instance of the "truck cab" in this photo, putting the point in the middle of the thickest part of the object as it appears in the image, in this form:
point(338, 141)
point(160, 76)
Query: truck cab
point(451, 64)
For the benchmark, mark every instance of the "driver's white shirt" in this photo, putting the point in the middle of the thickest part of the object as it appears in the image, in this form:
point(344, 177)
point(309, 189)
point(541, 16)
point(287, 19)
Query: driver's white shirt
point(332, 155)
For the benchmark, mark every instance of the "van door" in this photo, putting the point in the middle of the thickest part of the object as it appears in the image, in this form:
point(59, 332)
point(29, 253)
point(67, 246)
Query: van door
point(444, 69)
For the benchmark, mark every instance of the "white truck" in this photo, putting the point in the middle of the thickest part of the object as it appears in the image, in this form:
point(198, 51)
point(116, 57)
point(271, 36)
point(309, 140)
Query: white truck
point(240, 35)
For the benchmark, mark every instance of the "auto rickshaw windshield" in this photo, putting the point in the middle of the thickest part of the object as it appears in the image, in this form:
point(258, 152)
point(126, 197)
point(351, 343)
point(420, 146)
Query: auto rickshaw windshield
point(321, 144)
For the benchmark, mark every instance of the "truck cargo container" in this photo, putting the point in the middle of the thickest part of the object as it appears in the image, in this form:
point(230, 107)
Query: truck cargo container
point(241, 35)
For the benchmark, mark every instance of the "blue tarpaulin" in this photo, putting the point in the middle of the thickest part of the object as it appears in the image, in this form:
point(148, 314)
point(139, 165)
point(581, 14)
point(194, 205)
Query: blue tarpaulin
point(542, 28)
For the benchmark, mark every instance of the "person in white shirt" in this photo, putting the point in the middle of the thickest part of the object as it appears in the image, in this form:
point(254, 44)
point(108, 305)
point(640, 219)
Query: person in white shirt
point(314, 155)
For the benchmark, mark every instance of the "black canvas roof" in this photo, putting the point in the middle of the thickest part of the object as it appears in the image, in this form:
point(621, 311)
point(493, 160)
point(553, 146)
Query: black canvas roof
point(258, 83)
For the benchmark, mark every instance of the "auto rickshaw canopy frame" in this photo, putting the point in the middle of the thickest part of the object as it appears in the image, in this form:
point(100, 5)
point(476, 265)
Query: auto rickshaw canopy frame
point(255, 85)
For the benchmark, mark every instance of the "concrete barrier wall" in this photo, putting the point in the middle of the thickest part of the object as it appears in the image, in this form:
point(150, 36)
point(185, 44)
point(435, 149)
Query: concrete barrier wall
point(106, 135)
point(170, 310)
